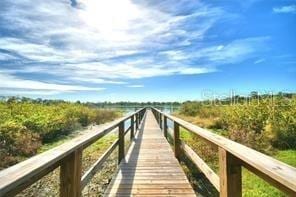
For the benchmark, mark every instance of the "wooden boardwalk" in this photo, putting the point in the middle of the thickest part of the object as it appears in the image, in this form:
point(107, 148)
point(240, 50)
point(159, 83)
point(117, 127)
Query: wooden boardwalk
point(150, 167)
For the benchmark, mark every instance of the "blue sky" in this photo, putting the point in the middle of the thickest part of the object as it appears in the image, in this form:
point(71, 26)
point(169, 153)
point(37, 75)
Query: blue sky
point(146, 50)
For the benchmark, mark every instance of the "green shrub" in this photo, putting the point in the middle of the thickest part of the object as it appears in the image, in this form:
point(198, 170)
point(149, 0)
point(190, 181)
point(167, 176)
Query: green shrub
point(25, 125)
point(16, 140)
point(283, 124)
point(257, 124)
point(190, 108)
point(101, 116)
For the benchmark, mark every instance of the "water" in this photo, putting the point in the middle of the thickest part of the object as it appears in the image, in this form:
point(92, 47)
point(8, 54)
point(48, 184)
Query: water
point(130, 110)
point(127, 110)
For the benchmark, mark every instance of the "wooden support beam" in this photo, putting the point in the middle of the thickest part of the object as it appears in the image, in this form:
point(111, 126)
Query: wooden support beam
point(230, 175)
point(120, 141)
point(70, 175)
point(177, 148)
point(137, 122)
point(165, 126)
point(201, 165)
point(132, 127)
point(160, 121)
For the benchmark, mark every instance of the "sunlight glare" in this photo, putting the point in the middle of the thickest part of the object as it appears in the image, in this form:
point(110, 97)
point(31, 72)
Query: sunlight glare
point(111, 18)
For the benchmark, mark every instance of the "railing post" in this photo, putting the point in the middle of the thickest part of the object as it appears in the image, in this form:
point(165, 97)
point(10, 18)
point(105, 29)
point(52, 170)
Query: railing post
point(230, 175)
point(70, 175)
point(132, 127)
point(165, 126)
point(120, 141)
point(160, 120)
point(137, 121)
point(177, 140)
point(158, 117)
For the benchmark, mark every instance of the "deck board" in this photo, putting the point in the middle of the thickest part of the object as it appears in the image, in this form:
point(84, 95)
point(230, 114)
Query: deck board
point(150, 168)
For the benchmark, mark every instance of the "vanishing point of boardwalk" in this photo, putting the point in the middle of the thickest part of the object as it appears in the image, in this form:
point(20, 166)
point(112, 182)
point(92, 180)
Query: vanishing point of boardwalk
point(150, 167)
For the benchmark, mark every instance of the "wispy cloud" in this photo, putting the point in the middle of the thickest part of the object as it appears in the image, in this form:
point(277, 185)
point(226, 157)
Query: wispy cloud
point(5, 57)
point(94, 43)
point(285, 9)
point(259, 61)
point(18, 85)
point(135, 86)
point(233, 52)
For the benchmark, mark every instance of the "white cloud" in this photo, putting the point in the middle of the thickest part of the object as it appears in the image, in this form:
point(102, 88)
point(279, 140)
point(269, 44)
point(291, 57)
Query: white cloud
point(191, 71)
point(259, 61)
point(93, 79)
point(220, 47)
point(236, 51)
point(17, 84)
point(100, 43)
point(135, 86)
point(175, 55)
point(4, 57)
point(72, 44)
point(26, 92)
point(43, 52)
point(233, 52)
point(135, 70)
point(285, 9)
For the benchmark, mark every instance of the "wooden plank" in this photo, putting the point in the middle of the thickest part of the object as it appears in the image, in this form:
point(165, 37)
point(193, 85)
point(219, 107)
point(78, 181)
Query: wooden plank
point(149, 195)
point(230, 175)
point(32, 180)
point(132, 127)
point(137, 121)
point(151, 191)
point(199, 163)
point(150, 167)
point(177, 140)
point(165, 126)
point(147, 186)
point(120, 142)
point(150, 181)
point(160, 121)
point(70, 175)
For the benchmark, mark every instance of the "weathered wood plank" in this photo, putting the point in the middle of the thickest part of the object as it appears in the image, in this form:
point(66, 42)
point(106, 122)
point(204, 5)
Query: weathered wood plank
point(230, 175)
point(177, 149)
point(165, 126)
point(150, 167)
point(70, 175)
point(120, 142)
point(132, 127)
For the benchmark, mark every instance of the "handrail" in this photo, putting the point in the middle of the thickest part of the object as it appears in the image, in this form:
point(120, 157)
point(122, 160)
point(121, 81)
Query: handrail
point(232, 156)
point(69, 157)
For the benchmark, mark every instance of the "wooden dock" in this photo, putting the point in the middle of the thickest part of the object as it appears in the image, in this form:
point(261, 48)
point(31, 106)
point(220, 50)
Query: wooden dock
point(150, 167)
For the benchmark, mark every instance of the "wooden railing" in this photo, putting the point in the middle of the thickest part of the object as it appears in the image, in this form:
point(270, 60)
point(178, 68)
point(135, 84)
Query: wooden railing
point(68, 157)
point(232, 157)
